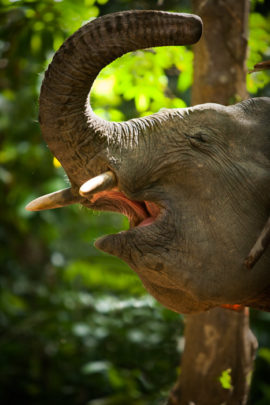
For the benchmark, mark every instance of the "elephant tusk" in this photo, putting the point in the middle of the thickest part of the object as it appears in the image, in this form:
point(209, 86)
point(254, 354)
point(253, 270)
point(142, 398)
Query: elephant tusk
point(104, 181)
point(57, 199)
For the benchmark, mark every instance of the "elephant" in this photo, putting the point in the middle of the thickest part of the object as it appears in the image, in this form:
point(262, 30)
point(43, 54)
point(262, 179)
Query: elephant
point(193, 182)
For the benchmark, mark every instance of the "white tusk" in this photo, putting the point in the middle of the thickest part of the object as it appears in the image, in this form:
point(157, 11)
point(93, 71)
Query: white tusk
point(105, 181)
point(57, 199)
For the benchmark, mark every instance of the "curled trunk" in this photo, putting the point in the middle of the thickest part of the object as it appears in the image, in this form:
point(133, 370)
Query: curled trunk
point(73, 133)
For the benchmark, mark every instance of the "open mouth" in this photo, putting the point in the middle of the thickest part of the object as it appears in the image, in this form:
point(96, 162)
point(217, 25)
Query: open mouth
point(139, 213)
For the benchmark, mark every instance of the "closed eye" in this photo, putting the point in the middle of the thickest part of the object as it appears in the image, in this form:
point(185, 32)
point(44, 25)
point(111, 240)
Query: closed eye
point(197, 138)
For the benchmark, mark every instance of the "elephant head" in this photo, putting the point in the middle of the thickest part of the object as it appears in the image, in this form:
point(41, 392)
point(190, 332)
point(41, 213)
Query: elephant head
point(194, 183)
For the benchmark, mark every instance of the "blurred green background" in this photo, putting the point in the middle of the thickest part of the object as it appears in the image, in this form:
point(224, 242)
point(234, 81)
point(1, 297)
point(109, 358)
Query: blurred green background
point(76, 326)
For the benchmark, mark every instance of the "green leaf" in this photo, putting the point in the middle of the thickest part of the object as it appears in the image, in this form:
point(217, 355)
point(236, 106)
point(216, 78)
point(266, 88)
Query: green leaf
point(225, 379)
point(264, 353)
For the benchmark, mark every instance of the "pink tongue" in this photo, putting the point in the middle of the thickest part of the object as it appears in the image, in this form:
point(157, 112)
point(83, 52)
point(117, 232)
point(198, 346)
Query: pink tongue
point(147, 221)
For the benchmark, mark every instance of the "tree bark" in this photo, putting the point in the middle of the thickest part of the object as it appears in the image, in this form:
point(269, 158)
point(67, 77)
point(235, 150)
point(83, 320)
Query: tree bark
point(219, 341)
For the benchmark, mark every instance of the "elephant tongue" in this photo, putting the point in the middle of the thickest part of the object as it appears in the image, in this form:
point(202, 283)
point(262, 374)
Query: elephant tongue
point(153, 210)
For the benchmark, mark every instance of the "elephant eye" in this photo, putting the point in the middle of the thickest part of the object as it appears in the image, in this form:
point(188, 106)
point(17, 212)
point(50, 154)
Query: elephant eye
point(197, 138)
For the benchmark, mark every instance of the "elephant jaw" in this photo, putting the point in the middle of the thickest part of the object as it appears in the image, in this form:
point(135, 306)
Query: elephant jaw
point(143, 217)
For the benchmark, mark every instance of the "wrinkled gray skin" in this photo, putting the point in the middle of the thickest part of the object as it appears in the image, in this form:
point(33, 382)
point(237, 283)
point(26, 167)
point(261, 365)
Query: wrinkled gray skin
point(206, 167)
point(210, 173)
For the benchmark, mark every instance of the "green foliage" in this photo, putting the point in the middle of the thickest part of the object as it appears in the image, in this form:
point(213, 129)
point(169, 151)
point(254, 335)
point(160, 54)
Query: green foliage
point(226, 379)
point(77, 326)
point(259, 49)
point(150, 80)
point(83, 345)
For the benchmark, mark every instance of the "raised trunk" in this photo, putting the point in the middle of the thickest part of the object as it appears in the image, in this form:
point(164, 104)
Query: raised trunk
point(218, 342)
point(73, 133)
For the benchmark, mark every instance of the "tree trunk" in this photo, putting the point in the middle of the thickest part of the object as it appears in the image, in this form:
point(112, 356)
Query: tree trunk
point(218, 342)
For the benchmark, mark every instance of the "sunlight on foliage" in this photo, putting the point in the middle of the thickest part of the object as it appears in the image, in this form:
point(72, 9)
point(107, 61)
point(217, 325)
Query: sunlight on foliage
point(259, 49)
point(225, 379)
point(115, 276)
point(146, 77)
